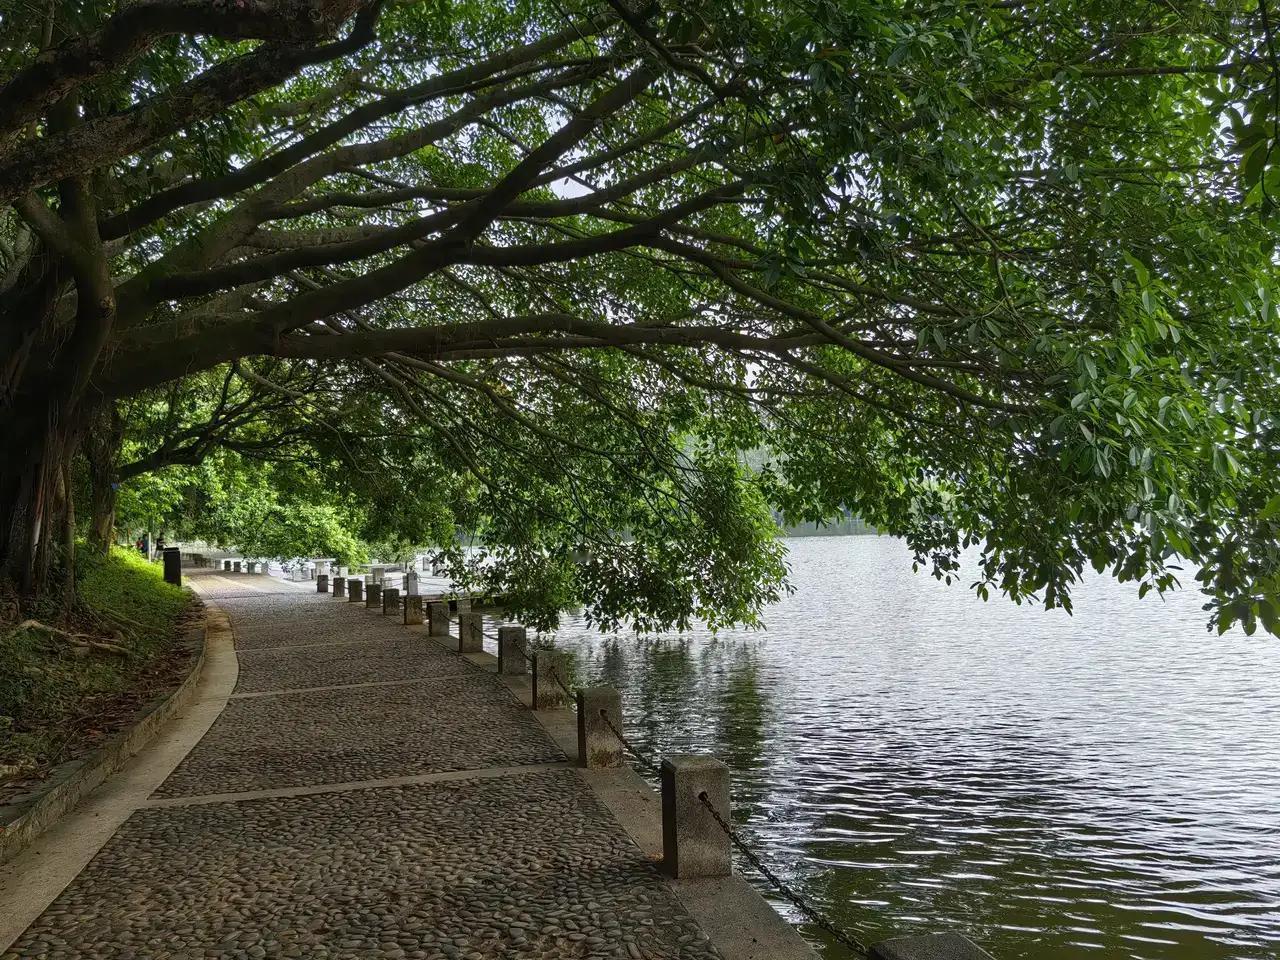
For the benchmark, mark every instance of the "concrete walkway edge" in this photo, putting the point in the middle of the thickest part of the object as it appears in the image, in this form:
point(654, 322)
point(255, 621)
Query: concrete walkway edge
point(42, 870)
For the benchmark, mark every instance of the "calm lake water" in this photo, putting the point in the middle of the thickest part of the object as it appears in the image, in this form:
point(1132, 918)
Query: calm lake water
point(912, 758)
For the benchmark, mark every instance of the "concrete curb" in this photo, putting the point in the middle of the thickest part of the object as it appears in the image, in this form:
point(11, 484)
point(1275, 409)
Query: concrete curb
point(81, 777)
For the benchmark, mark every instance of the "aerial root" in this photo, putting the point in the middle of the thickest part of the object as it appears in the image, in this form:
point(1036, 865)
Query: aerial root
point(80, 641)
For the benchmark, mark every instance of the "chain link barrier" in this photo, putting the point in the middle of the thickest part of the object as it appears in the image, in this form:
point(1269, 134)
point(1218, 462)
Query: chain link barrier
point(630, 747)
point(810, 912)
point(532, 660)
point(806, 908)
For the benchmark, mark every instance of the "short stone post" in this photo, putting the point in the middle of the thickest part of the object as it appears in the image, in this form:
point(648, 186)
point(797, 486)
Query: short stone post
point(235, 566)
point(322, 583)
point(355, 589)
point(373, 595)
point(173, 566)
point(438, 619)
point(598, 746)
point(339, 586)
point(390, 599)
point(411, 583)
point(511, 647)
point(462, 605)
point(693, 844)
point(470, 633)
point(412, 609)
point(226, 564)
point(550, 677)
point(928, 946)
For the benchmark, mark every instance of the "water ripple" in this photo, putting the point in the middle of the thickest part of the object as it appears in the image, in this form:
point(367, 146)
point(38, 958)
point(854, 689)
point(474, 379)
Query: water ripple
point(911, 757)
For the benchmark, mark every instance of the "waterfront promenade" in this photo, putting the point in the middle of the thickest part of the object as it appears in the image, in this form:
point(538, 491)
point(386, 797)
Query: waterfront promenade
point(345, 787)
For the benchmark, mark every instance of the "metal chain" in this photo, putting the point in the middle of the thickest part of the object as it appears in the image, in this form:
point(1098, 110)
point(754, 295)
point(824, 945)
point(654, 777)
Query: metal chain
point(531, 658)
point(847, 939)
point(630, 747)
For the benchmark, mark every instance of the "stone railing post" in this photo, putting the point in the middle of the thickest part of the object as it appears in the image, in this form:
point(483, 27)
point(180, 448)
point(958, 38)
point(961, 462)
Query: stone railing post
point(598, 746)
point(355, 590)
point(412, 609)
point(390, 600)
point(438, 619)
point(511, 649)
point(373, 595)
point(928, 946)
point(550, 670)
point(462, 605)
point(339, 586)
point(470, 633)
point(693, 844)
point(322, 583)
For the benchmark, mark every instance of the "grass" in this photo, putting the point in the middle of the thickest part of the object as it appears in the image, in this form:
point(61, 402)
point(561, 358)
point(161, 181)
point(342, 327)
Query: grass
point(58, 697)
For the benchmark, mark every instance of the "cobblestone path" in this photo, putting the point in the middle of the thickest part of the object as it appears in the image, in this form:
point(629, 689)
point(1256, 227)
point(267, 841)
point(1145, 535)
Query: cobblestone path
point(364, 794)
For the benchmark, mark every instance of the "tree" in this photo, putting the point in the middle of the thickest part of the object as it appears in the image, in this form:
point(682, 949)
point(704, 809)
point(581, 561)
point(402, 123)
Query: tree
point(978, 272)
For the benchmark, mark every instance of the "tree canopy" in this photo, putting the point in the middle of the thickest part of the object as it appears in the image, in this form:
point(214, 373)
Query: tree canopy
point(984, 272)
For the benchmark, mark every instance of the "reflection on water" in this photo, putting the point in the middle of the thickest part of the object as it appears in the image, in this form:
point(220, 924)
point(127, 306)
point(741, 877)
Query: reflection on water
point(913, 758)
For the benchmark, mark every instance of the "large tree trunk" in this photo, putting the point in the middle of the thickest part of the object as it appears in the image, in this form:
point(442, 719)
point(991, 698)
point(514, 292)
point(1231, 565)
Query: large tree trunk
point(102, 450)
point(34, 495)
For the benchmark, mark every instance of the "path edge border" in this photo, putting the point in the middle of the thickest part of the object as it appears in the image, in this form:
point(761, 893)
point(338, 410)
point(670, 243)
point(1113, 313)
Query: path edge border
point(93, 770)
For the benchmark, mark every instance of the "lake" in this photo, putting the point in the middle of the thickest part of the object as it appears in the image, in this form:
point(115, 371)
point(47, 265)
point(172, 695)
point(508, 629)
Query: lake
point(911, 758)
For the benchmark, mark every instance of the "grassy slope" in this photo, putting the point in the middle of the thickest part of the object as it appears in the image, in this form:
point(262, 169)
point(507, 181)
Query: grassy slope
point(55, 699)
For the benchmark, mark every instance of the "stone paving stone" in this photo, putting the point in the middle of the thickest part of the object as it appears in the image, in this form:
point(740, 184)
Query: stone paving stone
point(296, 620)
point(359, 662)
point(366, 733)
point(528, 867)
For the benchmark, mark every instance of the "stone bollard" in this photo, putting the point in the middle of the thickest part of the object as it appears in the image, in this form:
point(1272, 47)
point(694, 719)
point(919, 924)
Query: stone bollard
point(511, 648)
point(462, 605)
point(412, 609)
point(550, 670)
point(355, 590)
point(235, 566)
point(339, 586)
point(928, 946)
point(438, 619)
point(693, 844)
point(470, 633)
point(598, 746)
point(373, 595)
point(226, 564)
point(322, 583)
point(390, 599)
point(411, 583)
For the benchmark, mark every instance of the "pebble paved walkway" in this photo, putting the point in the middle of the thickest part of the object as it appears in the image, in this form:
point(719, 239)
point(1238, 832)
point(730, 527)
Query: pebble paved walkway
point(279, 836)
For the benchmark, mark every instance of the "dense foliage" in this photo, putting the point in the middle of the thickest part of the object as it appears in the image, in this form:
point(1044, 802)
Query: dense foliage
point(982, 272)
